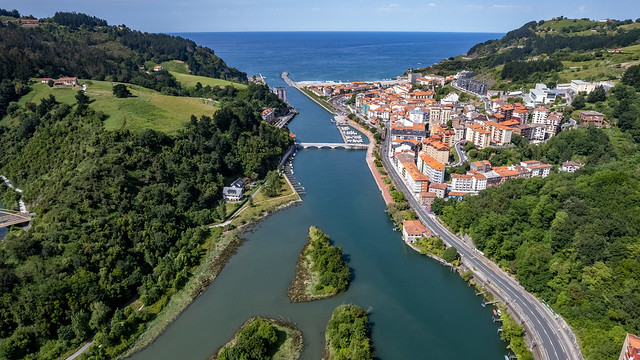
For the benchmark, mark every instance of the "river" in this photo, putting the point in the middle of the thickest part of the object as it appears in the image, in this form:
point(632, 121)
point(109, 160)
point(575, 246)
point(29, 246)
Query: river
point(420, 309)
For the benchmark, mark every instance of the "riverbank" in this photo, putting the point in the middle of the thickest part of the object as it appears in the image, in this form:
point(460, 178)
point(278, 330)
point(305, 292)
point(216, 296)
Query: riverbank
point(289, 341)
point(218, 252)
point(321, 283)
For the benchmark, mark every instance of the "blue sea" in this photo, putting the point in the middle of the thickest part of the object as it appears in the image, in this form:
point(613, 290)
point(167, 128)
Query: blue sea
point(337, 56)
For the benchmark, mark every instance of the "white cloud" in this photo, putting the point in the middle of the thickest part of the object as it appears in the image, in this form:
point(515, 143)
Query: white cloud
point(389, 7)
point(432, 5)
point(582, 8)
point(475, 7)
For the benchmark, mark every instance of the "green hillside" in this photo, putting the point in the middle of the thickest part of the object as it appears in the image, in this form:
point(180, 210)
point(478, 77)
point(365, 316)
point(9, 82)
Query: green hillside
point(181, 72)
point(147, 109)
point(565, 49)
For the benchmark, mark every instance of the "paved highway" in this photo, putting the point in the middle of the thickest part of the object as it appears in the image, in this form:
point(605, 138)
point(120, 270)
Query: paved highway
point(552, 337)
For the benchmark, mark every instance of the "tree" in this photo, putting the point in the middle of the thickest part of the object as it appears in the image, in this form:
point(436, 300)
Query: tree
point(450, 254)
point(121, 91)
point(272, 184)
point(222, 210)
point(50, 83)
point(598, 94)
point(631, 77)
point(579, 102)
point(82, 98)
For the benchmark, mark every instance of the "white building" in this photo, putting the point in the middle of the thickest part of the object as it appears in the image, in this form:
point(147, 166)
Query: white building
point(472, 182)
point(413, 230)
point(431, 167)
point(542, 95)
point(417, 115)
point(570, 166)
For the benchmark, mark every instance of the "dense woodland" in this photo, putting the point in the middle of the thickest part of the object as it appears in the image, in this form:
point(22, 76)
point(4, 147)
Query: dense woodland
point(119, 215)
point(116, 212)
point(347, 334)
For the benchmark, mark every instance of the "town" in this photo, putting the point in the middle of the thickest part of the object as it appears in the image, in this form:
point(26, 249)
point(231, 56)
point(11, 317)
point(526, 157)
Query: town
point(427, 133)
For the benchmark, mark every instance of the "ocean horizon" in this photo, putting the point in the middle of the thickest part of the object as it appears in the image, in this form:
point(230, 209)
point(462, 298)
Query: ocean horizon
point(335, 55)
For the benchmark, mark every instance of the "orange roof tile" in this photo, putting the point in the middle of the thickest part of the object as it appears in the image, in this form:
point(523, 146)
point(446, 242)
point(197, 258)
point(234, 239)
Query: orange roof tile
point(414, 227)
point(431, 162)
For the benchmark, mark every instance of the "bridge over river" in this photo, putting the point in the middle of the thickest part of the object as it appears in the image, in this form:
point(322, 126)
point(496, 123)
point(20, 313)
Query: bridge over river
point(10, 217)
point(351, 146)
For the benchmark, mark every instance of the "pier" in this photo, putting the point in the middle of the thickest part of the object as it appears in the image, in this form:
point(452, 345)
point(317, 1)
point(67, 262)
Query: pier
point(285, 119)
point(287, 79)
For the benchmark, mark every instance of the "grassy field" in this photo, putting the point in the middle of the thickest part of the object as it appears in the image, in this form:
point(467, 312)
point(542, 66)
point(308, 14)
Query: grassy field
point(175, 66)
point(180, 71)
point(191, 80)
point(147, 109)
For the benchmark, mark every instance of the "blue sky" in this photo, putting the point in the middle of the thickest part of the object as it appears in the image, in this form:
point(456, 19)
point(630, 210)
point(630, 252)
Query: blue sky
point(329, 15)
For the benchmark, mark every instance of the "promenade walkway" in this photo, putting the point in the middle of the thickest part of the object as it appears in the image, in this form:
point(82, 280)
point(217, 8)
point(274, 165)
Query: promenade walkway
point(384, 189)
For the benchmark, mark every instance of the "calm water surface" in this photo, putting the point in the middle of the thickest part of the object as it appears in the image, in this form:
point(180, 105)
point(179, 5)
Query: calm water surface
point(419, 309)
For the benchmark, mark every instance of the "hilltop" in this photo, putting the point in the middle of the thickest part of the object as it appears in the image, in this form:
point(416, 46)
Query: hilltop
point(556, 50)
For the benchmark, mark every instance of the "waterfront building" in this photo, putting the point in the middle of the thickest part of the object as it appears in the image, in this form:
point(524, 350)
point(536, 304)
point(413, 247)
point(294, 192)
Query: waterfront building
point(409, 172)
point(268, 115)
point(281, 93)
point(413, 230)
point(630, 348)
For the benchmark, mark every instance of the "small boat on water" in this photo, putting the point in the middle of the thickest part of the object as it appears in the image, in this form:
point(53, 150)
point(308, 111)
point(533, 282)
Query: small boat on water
point(495, 313)
point(483, 304)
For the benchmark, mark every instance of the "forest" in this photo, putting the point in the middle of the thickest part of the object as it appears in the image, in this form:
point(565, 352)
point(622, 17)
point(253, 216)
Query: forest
point(70, 44)
point(348, 334)
point(571, 239)
point(119, 215)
